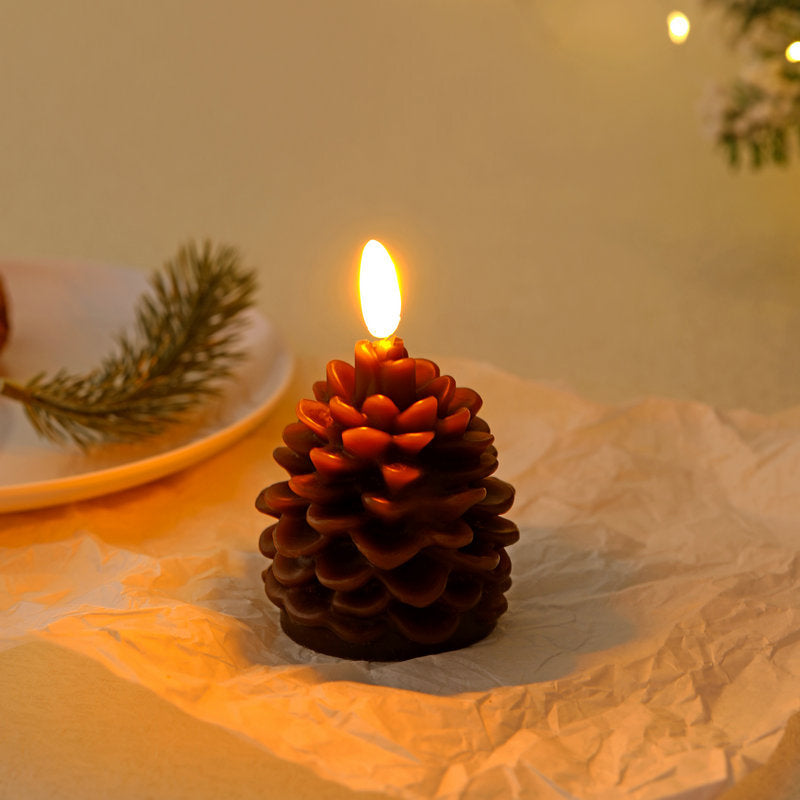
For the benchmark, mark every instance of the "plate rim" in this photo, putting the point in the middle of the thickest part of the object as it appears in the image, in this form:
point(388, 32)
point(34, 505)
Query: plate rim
point(49, 492)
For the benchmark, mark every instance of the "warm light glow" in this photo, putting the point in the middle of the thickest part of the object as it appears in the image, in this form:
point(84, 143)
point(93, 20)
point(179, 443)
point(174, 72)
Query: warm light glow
point(793, 52)
point(678, 27)
point(380, 290)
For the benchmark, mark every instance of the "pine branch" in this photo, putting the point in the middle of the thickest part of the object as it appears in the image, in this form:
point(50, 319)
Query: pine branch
point(184, 343)
point(750, 11)
point(759, 124)
point(757, 117)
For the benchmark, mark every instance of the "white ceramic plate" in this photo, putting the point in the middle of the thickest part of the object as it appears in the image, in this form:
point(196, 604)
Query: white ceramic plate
point(66, 315)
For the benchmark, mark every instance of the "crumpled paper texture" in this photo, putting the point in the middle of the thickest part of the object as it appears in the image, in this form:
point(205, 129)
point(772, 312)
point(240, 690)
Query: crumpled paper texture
point(651, 649)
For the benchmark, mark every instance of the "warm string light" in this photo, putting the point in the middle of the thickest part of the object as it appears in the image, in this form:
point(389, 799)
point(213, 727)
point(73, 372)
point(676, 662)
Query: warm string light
point(678, 27)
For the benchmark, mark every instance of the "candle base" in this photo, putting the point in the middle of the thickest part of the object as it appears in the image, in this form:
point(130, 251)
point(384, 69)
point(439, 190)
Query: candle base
point(389, 647)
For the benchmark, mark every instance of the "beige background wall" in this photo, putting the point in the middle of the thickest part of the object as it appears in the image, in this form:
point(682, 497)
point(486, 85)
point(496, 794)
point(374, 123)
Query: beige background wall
point(538, 168)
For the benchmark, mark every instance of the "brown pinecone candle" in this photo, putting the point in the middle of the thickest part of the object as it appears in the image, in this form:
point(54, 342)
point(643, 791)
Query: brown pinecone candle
point(389, 541)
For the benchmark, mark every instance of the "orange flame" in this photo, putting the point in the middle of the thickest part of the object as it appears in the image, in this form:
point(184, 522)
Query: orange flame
point(380, 290)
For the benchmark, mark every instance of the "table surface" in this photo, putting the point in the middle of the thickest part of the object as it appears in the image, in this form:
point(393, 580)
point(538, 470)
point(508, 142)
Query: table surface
point(539, 171)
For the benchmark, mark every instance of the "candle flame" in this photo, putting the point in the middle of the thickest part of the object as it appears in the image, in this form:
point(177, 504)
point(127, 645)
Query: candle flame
point(380, 290)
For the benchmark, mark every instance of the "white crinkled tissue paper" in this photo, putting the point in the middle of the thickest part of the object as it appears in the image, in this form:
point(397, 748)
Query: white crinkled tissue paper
point(650, 649)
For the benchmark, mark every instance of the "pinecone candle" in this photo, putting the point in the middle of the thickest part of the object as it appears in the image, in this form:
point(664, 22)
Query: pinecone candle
point(389, 541)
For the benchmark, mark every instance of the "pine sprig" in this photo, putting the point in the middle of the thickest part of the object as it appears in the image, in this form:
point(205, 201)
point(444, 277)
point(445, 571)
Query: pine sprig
point(750, 11)
point(184, 343)
point(756, 118)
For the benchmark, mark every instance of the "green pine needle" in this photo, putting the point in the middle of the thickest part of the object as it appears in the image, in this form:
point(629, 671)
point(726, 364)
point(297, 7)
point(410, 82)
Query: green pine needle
point(184, 343)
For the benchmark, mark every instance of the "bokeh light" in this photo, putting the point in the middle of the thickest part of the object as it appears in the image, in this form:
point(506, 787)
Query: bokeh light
point(678, 27)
